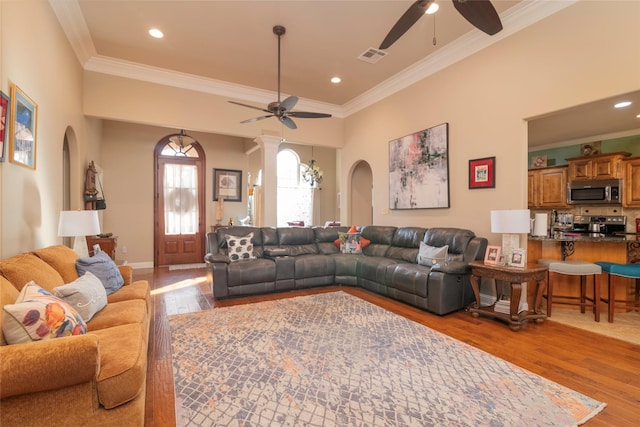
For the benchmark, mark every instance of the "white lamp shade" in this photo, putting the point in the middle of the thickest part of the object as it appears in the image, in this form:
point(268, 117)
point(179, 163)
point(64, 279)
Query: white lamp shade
point(511, 221)
point(78, 223)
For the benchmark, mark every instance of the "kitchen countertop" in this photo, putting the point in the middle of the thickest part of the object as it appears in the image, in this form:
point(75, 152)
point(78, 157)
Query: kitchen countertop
point(571, 237)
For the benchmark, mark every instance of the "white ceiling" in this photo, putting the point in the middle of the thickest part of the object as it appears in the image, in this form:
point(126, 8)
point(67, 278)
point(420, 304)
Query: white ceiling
point(229, 46)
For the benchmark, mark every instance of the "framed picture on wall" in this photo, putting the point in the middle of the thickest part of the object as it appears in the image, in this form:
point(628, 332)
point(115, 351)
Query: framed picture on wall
point(482, 173)
point(419, 169)
point(227, 183)
point(23, 130)
point(4, 123)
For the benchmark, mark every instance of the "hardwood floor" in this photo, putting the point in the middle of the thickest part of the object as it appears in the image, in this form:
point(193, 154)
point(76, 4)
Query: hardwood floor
point(603, 368)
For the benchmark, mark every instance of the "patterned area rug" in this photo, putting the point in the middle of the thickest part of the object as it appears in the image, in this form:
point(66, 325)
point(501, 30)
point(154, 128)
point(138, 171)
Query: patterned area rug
point(334, 359)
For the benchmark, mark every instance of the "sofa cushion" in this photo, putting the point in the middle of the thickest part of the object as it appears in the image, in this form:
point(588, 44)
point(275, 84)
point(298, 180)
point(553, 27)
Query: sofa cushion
point(38, 315)
point(103, 267)
point(380, 237)
point(8, 295)
point(62, 259)
point(86, 294)
point(299, 241)
point(137, 290)
point(119, 313)
point(22, 268)
point(123, 363)
point(240, 248)
point(430, 255)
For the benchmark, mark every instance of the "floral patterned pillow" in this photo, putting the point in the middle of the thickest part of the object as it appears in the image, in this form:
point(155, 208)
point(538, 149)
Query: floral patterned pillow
point(240, 248)
point(38, 315)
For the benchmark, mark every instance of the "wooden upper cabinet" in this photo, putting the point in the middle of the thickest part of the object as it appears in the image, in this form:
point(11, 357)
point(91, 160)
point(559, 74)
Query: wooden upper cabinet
point(631, 196)
point(599, 166)
point(547, 188)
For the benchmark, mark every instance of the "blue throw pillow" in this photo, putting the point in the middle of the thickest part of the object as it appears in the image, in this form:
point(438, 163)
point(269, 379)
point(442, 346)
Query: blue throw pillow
point(103, 267)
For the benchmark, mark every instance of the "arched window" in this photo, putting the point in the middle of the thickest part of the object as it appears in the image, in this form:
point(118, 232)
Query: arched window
point(295, 197)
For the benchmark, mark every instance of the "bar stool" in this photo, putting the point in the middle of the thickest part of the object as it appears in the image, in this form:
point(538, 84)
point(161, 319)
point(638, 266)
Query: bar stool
point(574, 268)
point(631, 271)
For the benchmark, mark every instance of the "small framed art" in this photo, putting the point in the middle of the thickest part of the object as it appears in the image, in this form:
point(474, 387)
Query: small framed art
point(518, 258)
point(492, 256)
point(4, 123)
point(227, 184)
point(539, 161)
point(482, 173)
point(23, 130)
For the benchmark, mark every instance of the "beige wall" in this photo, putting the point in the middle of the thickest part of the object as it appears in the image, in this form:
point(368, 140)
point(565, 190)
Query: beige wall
point(36, 56)
point(588, 51)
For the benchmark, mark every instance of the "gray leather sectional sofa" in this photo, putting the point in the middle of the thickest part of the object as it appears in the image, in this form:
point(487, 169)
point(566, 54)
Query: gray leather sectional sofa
point(290, 258)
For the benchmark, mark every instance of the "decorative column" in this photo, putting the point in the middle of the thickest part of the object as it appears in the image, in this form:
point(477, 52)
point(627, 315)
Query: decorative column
point(269, 209)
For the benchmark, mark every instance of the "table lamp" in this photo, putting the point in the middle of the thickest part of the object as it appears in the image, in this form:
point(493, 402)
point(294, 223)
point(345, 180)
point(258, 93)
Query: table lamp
point(79, 224)
point(511, 223)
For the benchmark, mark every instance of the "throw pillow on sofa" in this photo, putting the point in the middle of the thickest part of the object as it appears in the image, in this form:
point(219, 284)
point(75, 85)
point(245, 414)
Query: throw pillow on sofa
point(103, 267)
point(38, 315)
point(240, 248)
point(430, 255)
point(86, 294)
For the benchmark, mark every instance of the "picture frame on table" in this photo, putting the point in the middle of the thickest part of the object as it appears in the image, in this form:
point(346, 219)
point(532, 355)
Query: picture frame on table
point(492, 255)
point(4, 124)
point(482, 173)
point(518, 257)
point(23, 129)
point(227, 183)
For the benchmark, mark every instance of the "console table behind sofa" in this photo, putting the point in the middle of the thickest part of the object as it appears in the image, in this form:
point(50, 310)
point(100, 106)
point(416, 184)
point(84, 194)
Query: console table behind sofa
point(290, 258)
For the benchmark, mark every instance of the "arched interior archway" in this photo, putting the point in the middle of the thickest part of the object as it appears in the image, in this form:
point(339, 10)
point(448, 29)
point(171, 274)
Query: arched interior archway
point(361, 191)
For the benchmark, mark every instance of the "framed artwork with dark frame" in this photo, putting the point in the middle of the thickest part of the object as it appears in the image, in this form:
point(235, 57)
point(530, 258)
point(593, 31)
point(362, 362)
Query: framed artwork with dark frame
point(227, 183)
point(419, 169)
point(4, 123)
point(482, 173)
point(23, 129)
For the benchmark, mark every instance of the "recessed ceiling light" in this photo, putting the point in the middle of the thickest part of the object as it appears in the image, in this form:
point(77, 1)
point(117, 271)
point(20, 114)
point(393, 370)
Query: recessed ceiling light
point(622, 104)
point(156, 33)
point(336, 79)
point(433, 8)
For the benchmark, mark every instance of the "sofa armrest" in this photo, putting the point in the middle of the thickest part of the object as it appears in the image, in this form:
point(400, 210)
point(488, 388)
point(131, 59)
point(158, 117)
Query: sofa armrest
point(48, 365)
point(453, 267)
point(127, 274)
point(276, 252)
point(215, 258)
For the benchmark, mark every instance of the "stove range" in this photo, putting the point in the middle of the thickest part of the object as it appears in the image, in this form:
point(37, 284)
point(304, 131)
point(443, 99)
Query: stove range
point(599, 225)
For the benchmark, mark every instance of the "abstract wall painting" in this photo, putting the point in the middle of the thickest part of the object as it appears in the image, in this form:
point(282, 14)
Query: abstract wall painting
point(419, 169)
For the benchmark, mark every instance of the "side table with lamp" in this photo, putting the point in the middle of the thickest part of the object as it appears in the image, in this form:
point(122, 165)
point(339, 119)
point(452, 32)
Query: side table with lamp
point(514, 270)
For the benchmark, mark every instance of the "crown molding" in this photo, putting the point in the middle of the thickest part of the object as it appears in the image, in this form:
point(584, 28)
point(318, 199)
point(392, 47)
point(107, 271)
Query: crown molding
point(515, 19)
point(75, 27)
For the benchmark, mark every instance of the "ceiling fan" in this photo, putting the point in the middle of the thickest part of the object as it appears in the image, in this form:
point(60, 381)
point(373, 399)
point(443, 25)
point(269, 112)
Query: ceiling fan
point(282, 109)
point(480, 13)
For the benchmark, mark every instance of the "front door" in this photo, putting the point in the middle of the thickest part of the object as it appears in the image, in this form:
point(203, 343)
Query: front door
point(179, 201)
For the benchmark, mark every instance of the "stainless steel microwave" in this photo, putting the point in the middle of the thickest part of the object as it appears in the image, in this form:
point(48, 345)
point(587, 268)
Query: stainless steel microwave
point(595, 192)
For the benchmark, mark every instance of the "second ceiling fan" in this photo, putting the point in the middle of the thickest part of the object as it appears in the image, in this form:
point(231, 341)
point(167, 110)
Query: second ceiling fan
point(480, 13)
point(282, 109)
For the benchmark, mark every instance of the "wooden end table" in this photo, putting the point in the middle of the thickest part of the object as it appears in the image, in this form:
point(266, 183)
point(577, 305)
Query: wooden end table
point(515, 276)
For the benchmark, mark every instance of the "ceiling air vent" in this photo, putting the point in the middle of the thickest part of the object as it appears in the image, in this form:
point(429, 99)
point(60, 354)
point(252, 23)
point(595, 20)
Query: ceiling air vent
point(372, 55)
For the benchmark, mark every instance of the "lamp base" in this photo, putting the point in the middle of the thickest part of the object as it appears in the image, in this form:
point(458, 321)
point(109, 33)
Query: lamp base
point(509, 243)
point(80, 246)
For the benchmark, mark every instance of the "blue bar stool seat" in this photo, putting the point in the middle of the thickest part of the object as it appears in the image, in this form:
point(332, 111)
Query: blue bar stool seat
point(574, 268)
point(631, 271)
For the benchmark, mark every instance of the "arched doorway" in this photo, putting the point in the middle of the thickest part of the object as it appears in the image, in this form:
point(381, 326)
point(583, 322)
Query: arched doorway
point(179, 211)
point(361, 194)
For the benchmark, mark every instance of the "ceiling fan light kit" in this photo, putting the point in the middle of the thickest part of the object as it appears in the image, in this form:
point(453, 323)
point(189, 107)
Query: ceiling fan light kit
point(282, 109)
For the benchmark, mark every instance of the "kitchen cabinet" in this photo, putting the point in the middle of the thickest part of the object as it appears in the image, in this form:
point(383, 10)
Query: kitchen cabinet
point(598, 166)
point(547, 187)
point(631, 170)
